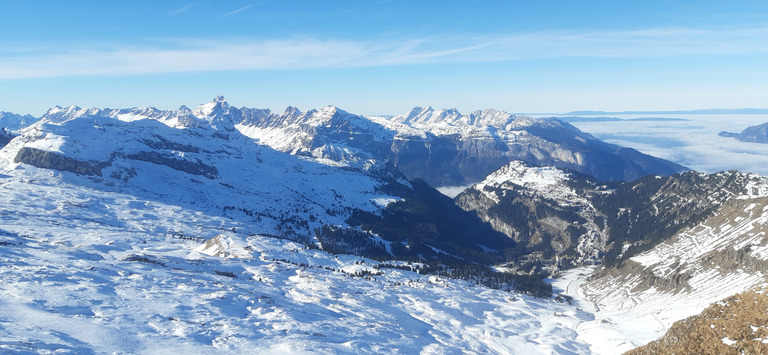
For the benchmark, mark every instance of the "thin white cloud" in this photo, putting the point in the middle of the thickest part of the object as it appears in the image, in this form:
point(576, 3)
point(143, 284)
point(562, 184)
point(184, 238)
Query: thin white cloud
point(189, 55)
point(244, 8)
point(180, 10)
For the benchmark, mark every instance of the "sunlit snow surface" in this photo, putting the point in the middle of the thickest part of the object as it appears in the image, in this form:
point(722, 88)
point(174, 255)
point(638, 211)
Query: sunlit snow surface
point(92, 271)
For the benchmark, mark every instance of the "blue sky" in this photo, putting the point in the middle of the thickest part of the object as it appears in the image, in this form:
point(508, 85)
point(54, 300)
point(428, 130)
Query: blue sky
point(384, 57)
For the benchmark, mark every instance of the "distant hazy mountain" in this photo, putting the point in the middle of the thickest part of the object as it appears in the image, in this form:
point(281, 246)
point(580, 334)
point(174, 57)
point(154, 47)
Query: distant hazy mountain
point(757, 134)
point(447, 148)
point(14, 122)
point(615, 119)
point(720, 111)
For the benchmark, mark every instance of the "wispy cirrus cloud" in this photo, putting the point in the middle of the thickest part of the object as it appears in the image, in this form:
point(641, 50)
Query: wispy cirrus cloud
point(191, 55)
point(244, 8)
point(180, 10)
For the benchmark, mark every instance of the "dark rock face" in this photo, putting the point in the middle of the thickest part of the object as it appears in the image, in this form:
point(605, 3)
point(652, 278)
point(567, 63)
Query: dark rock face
point(50, 160)
point(539, 224)
point(194, 167)
point(453, 160)
point(447, 160)
point(555, 221)
point(5, 137)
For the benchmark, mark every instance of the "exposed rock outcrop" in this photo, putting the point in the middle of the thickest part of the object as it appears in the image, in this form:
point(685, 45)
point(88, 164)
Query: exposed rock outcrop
point(735, 325)
point(51, 160)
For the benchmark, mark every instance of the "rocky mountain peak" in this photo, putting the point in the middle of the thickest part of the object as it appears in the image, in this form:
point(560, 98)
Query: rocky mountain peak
point(60, 114)
point(217, 106)
point(524, 174)
point(416, 114)
point(291, 111)
point(218, 114)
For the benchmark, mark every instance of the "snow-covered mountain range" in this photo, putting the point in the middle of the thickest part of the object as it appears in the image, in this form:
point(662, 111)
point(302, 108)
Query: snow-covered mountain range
point(240, 230)
point(201, 162)
point(442, 147)
point(198, 166)
point(122, 233)
point(14, 122)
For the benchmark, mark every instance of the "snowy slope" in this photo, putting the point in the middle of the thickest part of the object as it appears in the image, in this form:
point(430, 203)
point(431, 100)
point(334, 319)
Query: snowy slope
point(199, 167)
point(122, 233)
point(723, 255)
point(211, 167)
point(86, 270)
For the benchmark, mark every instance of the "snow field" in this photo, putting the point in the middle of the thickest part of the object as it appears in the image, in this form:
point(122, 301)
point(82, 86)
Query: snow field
point(92, 271)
